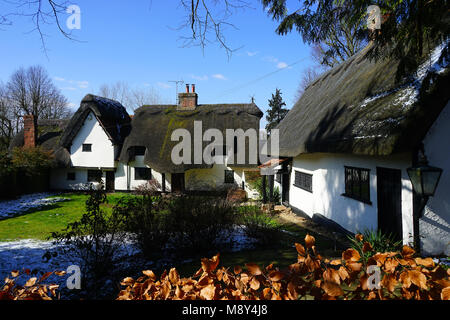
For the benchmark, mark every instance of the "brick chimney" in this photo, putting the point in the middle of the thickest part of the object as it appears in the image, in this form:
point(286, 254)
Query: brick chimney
point(29, 130)
point(187, 100)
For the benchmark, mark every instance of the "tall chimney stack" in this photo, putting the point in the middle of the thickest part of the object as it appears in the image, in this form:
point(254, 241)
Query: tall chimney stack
point(29, 130)
point(187, 100)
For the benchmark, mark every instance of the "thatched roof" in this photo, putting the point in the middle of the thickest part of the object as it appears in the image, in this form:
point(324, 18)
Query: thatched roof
point(111, 115)
point(152, 127)
point(359, 107)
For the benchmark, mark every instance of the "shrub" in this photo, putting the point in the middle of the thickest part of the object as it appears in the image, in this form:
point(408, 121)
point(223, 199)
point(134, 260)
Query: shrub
point(199, 224)
point(94, 239)
point(311, 277)
point(260, 226)
point(32, 160)
point(147, 221)
point(378, 241)
point(276, 191)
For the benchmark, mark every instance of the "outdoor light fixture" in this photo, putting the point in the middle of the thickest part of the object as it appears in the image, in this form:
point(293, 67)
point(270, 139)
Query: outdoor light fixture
point(424, 179)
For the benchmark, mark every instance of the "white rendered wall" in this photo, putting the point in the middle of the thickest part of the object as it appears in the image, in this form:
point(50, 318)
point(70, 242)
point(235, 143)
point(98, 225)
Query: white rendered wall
point(212, 178)
point(102, 154)
point(58, 179)
point(435, 225)
point(329, 185)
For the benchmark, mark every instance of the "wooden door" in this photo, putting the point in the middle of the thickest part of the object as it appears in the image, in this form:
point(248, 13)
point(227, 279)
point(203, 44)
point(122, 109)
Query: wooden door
point(285, 183)
point(177, 182)
point(110, 177)
point(389, 196)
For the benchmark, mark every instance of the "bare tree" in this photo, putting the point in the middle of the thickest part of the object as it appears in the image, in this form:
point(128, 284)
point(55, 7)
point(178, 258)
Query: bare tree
point(207, 21)
point(308, 76)
point(31, 91)
point(130, 98)
point(6, 124)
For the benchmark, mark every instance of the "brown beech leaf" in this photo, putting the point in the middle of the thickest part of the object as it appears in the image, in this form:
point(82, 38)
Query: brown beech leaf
point(150, 274)
point(309, 241)
point(127, 281)
point(254, 269)
point(407, 252)
point(45, 276)
point(354, 266)
point(254, 284)
point(389, 282)
point(31, 282)
point(60, 273)
point(405, 279)
point(418, 278)
point(237, 269)
point(300, 249)
point(276, 276)
point(427, 262)
point(336, 262)
point(331, 275)
point(332, 289)
point(445, 294)
point(390, 265)
point(359, 237)
point(343, 273)
point(209, 265)
point(14, 273)
point(351, 255)
point(208, 292)
point(174, 277)
point(367, 247)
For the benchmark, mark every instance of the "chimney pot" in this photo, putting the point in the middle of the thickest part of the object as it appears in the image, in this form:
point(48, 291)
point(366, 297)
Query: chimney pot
point(193, 88)
point(187, 88)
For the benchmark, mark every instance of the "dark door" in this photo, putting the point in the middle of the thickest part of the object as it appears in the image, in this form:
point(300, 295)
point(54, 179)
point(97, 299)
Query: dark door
point(110, 176)
point(389, 195)
point(285, 188)
point(177, 182)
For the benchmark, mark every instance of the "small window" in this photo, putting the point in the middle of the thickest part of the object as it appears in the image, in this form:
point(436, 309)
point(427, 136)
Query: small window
point(71, 176)
point(229, 176)
point(94, 175)
point(303, 181)
point(142, 174)
point(87, 147)
point(357, 184)
point(278, 177)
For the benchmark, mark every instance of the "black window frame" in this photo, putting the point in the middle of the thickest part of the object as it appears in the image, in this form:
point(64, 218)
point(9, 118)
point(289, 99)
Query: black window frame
point(138, 176)
point(355, 187)
point(97, 178)
point(71, 176)
point(300, 180)
point(227, 179)
point(85, 149)
point(139, 151)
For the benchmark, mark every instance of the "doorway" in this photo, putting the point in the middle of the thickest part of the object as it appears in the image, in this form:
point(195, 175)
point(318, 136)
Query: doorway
point(389, 196)
point(110, 177)
point(177, 182)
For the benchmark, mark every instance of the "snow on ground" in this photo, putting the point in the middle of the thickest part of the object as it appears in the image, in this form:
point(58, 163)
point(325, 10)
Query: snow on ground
point(28, 201)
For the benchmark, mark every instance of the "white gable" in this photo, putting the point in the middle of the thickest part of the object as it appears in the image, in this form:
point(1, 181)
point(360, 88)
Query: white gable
point(102, 149)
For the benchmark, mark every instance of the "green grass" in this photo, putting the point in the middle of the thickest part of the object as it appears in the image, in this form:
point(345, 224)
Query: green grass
point(40, 223)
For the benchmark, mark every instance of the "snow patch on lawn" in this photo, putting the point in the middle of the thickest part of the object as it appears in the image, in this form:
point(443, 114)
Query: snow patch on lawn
point(11, 208)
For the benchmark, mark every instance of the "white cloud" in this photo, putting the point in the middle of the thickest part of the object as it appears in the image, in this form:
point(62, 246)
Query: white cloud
point(69, 88)
point(163, 85)
point(71, 105)
point(83, 84)
point(59, 79)
point(219, 76)
point(251, 54)
point(282, 65)
point(199, 78)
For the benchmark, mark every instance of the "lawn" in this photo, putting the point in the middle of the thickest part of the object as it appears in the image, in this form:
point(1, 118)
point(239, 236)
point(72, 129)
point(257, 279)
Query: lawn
point(40, 223)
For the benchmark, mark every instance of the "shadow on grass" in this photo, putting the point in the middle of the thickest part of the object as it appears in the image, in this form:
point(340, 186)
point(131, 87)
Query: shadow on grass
point(44, 208)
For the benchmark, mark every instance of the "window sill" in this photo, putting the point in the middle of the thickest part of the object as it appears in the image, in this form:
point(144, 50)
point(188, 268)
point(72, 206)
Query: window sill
point(357, 199)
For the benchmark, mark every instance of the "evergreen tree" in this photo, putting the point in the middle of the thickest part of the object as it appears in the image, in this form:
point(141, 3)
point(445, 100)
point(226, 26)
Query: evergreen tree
point(276, 112)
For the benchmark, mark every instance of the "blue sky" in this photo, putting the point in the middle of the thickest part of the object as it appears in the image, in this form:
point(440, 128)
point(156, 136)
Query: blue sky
point(138, 42)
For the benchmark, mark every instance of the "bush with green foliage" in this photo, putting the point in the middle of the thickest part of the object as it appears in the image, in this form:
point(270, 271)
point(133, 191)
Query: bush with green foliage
point(276, 191)
point(379, 242)
point(32, 160)
point(199, 223)
point(259, 225)
point(147, 221)
point(95, 239)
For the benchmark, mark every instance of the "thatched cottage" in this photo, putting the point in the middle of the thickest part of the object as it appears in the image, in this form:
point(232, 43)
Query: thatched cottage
point(103, 142)
point(350, 138)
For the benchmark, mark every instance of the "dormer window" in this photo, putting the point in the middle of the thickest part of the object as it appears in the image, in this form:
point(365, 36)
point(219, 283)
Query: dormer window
point(87, 147)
